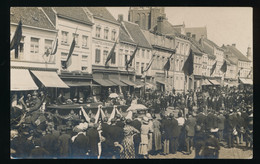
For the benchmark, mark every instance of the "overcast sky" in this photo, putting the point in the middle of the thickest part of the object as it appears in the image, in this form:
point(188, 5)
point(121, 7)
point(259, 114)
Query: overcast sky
point(225, 25)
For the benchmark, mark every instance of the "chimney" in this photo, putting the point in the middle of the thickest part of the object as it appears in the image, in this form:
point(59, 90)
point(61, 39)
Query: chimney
point(194, 36)
point(160, 24)
point(188, 34)
point(234, 45)
point(249, 53)
point(120, 18)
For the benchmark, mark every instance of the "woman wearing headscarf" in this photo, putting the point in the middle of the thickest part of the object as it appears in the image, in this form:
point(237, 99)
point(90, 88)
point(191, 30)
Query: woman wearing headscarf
point(145, 129)
point(128, 143)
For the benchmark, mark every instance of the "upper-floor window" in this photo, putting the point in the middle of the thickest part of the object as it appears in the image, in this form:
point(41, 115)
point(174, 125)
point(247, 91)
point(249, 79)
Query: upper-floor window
point(76, 36)
point(138, 53)
point(143, 53)
point(34, 45)
point(137, 67)
point(142, 68)
point(113, 35)
point(148, 54)
point(97, 56)
point(48, 45)
point(84, 57)
point(98, 30)
point(64, 38)
point(106, 33)
point(84, 41)
point(105, 52)
point(113, 59)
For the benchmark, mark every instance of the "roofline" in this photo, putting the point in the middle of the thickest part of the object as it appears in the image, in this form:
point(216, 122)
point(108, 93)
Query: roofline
point(47, 16)
point(127, 42)
point(97, 17)
point(73, 19)
point(164, 48)
point(38, 28)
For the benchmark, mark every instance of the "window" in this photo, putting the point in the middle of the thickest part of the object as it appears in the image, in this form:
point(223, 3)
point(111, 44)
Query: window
point(113, 59)
point(146, 65)
point(120, 57)
point(138, 53)
point(48, 45)
point(20, 47)
point(84, 58)
point(142, 68)
point(148, 54)
point(98, 29)
point(84, 68)
point(181, 65)
point(131, 52)
point(106, 33)
point(125, 58)
point(63, 59)
point(85, 41)
point(113, 36)
point(105, 52)
point(137, 67)
point(143, 53)
point(177, 65)
point(97, 57)
point(35, 45)
point(76, 36)
point(64, 38)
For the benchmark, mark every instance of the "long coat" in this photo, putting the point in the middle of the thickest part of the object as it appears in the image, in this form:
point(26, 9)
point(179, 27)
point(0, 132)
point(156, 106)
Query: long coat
point(190, 126)
point(93, 136)
point(175, 128)
point(65, 145)
point(80, 146)
point(51, 144)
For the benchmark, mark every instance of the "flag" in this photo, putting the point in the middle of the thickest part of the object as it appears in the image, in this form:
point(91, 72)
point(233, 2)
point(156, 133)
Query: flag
point(56, 47)
point(188, 65)
point(132, 56)
point(238, 73)
point(224, 67)
point(69, 59)
point(111, 53)
point(47, 52)
point(17, 36)
point(149, 65)
point(213, 68)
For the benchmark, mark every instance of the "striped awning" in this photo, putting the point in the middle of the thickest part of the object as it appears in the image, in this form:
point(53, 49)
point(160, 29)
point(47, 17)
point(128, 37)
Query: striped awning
point(105, 82)
point(128, 82)
point(118, 82)
point(21, 80)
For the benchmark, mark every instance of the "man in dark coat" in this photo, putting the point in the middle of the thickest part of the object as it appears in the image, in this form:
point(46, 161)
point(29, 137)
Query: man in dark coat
point(231, 124)
point(175, 135)
point(80, 146)
point(166, 130)
point(38, 151)
point(93, 136)
point(65, 144)
point(211, 147)
point(190, 131)
point(221, 125)
point(137, 138)
point(199, 141)
point(201, 118)
point(105, 133)
point(51, 144)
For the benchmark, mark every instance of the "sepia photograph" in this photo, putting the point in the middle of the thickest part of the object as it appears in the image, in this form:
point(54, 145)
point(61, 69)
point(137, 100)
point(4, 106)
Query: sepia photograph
point(142, 82)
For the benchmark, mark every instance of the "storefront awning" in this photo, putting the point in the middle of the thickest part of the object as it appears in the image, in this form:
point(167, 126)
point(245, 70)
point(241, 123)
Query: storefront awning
point(128, 82)
point(214, 82)
point(246, 81)
point(21, 80)
point(206, 82)
point(50, 79)
point(138, 83)
point(162, 82)
point(150, 85)
point(104, 82)
point(79, 83)
point(118, 82)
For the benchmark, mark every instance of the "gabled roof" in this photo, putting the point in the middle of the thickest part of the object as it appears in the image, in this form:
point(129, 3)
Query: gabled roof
point(230, 61)
point(212, 43)
point(30, 16)
point(168, 28)
point(103, 13)
point(237, 53)
point(124, 37)
point(74, 13)
point(136, 33)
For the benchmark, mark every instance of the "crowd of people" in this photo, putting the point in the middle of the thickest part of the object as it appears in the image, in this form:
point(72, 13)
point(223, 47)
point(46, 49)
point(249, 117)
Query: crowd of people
point(222, 117)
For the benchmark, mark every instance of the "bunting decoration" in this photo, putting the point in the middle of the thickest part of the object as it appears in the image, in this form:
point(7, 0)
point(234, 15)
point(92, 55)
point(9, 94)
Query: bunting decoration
point(131, 57)
point(149, 65)
point(17, 37)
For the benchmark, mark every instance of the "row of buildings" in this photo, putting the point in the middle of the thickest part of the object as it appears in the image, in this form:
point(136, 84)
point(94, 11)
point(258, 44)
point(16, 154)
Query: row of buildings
point(95, 31)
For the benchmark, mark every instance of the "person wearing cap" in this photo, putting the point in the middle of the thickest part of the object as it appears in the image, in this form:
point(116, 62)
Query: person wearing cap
point(128, 143)
point(210, 149)
point(38, 151)
point(166, 132)
point(231, 125)
point(137, 138)
point(80, 145)
point(145, 129)
point(190, 131)
point(221, 125)
point(175, 132)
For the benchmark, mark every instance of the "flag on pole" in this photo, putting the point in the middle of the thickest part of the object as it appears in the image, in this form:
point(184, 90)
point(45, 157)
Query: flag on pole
point(69, 59)
point(149, 65)
point(55, 48)
point(238, 73)
point(224, 67)
point(213, 68)
point(249, 74)
point(17, 36)
point(132, 56)
point(111, 53)
point(188, 65)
